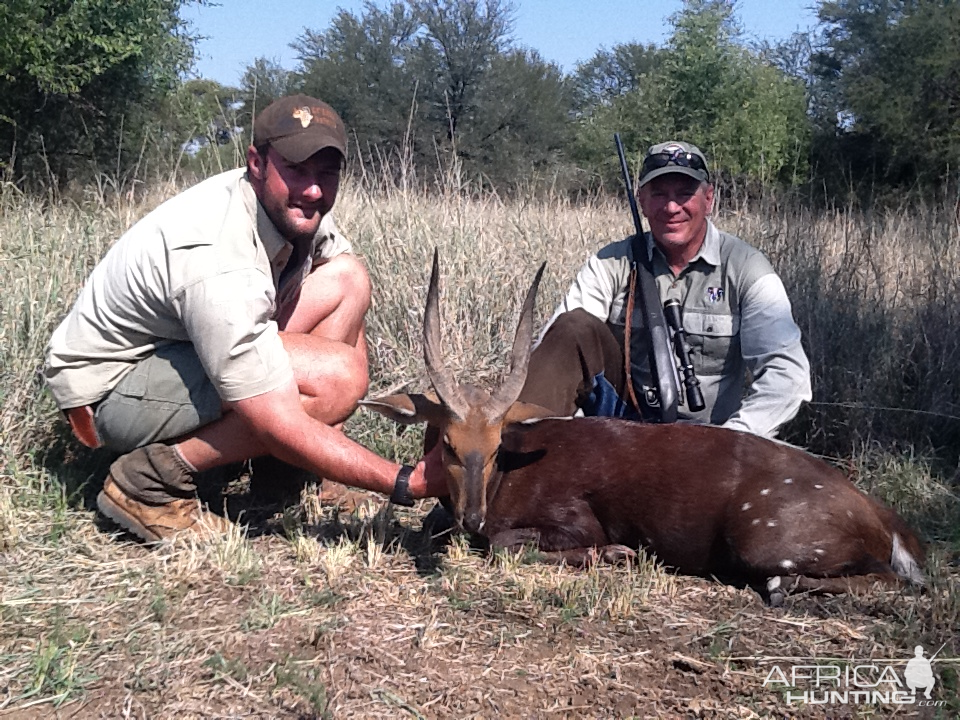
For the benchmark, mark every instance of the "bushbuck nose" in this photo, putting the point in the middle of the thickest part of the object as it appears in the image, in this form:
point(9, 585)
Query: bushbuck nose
point(472, 521)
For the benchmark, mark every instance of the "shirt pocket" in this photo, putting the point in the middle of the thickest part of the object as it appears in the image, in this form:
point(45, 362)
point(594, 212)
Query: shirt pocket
point(715, 341)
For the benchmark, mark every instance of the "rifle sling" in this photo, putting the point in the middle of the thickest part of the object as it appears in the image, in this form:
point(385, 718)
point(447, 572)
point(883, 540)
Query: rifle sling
point(631, 289)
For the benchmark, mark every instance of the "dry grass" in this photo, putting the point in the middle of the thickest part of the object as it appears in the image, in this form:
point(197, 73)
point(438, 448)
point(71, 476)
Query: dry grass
point(98, 626)
point(305, 612)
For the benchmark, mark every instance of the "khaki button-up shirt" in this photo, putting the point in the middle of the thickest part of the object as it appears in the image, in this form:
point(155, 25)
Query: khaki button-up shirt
point(738, 320)
point(204, 267)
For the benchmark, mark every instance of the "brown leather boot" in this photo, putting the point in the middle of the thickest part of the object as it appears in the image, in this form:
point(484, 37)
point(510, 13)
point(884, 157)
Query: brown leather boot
point(153, 523)
point(150, 492)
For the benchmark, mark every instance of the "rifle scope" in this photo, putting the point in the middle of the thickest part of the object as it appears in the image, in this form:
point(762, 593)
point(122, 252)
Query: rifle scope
point(671, 309)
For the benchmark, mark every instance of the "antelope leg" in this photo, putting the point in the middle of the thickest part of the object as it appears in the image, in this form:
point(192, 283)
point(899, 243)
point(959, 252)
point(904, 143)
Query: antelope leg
point(518, 538)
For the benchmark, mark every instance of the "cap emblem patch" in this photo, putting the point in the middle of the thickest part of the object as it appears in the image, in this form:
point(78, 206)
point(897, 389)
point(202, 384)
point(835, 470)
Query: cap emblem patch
point(304, 115)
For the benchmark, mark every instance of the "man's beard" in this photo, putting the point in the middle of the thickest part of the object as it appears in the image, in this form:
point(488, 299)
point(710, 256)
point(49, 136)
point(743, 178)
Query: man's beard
point(289, 229)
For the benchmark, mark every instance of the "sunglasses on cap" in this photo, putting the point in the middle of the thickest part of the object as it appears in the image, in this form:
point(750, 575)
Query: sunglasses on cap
point(677, 157)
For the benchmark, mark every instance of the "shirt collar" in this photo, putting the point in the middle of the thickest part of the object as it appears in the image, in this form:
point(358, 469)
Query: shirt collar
point(273, 242)
point(710, 250)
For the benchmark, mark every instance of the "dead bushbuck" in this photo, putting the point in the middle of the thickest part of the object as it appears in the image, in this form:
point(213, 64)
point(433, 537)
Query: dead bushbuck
point(704, 499)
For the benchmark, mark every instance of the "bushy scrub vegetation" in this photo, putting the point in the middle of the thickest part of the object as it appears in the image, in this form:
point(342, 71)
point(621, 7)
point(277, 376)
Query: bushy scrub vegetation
point(865, 106)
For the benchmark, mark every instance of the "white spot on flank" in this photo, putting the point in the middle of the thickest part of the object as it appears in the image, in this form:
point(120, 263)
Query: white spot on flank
point(819, 487)
point(765, 491)
point(756, 521)
point(771, 523)
point(820, 551)
point(787, 564)
point(746, 506)
point(850, 514)
point(788, 481)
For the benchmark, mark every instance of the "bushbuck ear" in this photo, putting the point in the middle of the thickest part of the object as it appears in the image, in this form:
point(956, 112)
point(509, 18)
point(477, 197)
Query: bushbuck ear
point(409, 409)
point(522, 412)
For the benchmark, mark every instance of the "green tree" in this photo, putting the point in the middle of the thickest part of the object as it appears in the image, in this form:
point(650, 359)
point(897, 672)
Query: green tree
point(889, 84)
point(610, 74)
point(705, 87)
point(461, 41)
point(749, 115)
point(203, 117)
point(80, 82)
point(263, 82)
point(519, 128)
point(362, 67)
point(438, 84)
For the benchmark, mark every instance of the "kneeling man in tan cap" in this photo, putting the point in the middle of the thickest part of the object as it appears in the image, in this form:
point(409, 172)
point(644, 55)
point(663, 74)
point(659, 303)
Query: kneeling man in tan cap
point(225, 325)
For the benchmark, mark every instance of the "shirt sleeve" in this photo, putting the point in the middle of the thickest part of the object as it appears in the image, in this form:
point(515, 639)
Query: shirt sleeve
point(227, 318)
point(770, 343)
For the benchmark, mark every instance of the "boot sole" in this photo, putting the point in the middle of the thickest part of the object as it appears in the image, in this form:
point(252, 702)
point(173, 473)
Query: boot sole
point(122, 518)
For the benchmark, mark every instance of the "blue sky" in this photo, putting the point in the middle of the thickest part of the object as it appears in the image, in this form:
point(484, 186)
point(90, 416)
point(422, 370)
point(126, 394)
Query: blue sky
point(563, 31)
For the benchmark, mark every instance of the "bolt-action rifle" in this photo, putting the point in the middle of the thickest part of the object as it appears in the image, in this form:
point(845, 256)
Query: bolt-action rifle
point(662, 398)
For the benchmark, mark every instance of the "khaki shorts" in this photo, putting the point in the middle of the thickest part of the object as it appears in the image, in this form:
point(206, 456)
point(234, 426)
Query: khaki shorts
point(166, 395)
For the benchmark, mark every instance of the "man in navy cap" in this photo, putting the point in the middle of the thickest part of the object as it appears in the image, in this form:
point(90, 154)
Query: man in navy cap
point(735, 312)
point(225, 325)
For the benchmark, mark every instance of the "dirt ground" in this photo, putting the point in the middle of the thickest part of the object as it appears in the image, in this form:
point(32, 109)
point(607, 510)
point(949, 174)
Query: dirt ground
point(315, 613)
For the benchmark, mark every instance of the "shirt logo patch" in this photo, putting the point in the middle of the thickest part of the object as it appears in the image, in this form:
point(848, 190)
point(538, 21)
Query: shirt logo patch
point(714, 294)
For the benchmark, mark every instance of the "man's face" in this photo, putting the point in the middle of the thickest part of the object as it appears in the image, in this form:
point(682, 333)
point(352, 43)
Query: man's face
point(295, 196)
point(677, 206)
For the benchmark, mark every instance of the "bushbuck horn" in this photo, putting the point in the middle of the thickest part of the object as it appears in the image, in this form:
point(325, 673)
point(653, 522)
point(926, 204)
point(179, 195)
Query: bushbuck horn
point(443, 381)
point(509, 390)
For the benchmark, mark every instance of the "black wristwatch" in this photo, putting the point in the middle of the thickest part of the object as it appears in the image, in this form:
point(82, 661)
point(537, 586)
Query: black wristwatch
point(401, 487)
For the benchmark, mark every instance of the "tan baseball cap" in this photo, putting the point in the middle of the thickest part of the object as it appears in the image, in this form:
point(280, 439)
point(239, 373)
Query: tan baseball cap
point(673, 157)
point(297, 126)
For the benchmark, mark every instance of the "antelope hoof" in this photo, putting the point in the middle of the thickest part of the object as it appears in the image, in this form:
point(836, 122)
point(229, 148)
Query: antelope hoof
point(775, 592)
point(615, 554)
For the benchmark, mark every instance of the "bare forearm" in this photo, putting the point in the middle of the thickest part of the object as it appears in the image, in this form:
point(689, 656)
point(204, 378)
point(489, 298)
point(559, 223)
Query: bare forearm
point(277, 424)
point(329, 453)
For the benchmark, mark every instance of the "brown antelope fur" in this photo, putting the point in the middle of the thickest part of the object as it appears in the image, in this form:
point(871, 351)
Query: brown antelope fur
point(704, 499)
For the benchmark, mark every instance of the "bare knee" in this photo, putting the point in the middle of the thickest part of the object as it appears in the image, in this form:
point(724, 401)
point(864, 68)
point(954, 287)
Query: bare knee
point(353, 277)
point(345, 277)
point(333, 398)
point(326, 367)
point(356, 378)
point(332, 302)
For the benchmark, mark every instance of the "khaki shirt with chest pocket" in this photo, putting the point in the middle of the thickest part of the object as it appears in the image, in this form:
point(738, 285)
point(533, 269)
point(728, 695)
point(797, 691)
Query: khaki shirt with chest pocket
point(738, 321)
point(204, 267)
